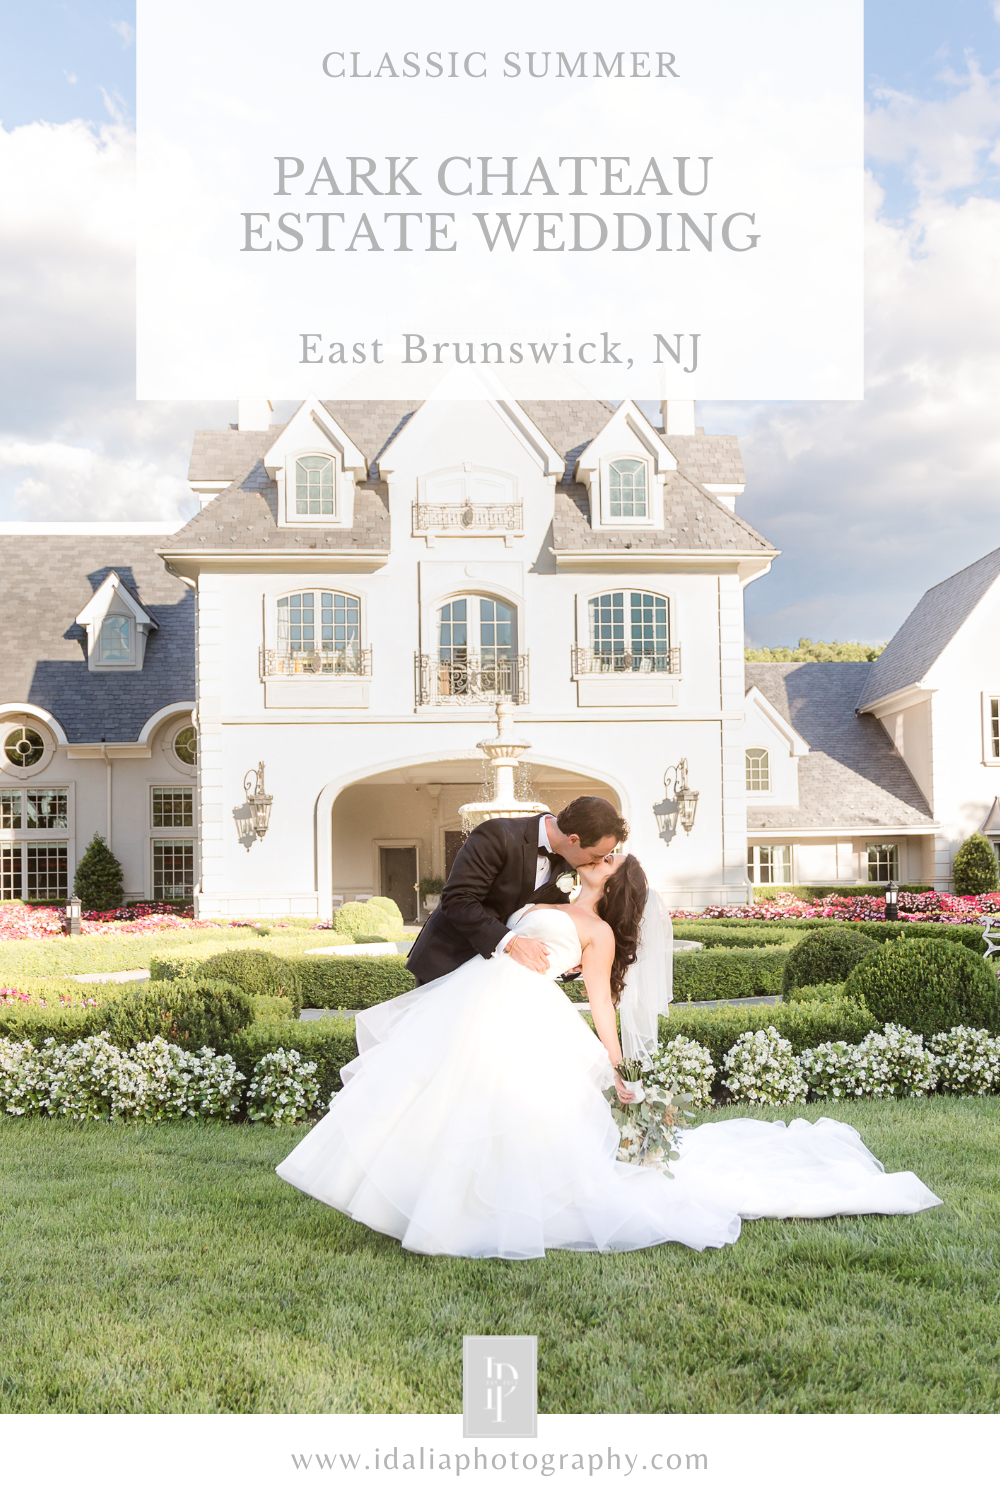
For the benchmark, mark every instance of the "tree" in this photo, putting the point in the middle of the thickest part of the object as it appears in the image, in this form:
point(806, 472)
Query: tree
point(98, 881)
point(808, 650)
point(975, 868)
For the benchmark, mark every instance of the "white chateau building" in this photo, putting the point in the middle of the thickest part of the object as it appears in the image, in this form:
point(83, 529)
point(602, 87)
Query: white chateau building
point(359, 588)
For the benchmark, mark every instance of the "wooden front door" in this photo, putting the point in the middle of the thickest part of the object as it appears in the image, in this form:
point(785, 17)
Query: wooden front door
point(398, 869)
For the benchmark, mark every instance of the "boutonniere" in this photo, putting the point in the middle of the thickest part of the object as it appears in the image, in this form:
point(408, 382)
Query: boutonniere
point(566, 882)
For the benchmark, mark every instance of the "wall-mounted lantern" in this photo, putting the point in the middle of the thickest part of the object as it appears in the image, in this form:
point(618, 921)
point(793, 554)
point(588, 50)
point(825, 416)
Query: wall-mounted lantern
point(679, 803)
point(253, 817)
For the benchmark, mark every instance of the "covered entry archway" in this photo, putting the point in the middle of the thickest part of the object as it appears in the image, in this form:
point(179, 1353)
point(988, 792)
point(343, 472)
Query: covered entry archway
point(415, 807)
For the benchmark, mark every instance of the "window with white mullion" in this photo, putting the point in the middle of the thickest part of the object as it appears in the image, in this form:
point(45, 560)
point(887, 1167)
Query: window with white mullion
point(39, 807)
point(769, 864)
point(995, 728)
point(630, 631)
point(173, 807)
point(627, 489)
point(318, 620)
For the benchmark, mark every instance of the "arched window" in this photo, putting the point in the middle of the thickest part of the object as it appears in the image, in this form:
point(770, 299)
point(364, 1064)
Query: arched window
point(630, 631)
point(476, 647)
point(758, 771)
point(626, 489)
point(314, 486)
point(320, 625)
point(23, 746)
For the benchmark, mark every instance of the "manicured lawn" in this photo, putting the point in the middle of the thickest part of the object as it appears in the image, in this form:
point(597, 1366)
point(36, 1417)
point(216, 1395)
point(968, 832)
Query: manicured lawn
point(165, 1268)
point(28, 958)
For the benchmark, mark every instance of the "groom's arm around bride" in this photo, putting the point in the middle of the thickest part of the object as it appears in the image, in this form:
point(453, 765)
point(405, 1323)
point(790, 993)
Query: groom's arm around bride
point(498, 870)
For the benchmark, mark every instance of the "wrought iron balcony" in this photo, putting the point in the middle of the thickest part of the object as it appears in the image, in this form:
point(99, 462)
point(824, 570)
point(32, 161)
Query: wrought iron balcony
point(469, 678)
point(587, 663)
point(465, 517)
point(316, 663)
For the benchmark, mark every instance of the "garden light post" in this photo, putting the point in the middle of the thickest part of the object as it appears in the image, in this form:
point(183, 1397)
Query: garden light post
point(74, 911)
point(892, 902)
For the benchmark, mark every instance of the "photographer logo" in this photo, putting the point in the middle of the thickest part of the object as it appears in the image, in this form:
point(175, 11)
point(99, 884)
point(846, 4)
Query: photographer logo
point(500, 1387)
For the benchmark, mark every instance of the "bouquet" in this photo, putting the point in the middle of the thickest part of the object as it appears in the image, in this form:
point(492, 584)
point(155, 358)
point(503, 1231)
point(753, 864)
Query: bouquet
point(649, 1125)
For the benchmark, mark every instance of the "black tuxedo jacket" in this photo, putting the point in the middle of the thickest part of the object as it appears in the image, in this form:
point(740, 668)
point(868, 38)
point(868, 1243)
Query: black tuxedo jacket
point(493, 875)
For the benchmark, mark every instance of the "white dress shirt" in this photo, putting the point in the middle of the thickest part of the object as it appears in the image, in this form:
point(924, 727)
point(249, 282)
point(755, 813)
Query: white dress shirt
point(543, 869)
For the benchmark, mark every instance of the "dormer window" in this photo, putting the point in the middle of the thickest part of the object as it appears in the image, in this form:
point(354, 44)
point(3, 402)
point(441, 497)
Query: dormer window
point(117, 628)
point(116, 639)
point(627, 489)
point(314, 486)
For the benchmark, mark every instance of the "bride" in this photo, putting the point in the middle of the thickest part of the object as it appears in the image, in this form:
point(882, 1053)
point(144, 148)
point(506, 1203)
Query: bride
point(473, 1122)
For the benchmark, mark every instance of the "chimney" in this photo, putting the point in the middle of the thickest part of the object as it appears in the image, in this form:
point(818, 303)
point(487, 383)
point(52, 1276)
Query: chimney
point(678, 418)
point(254, 414)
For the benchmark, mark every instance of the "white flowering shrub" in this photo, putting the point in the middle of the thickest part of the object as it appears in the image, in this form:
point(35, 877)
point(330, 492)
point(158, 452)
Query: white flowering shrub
point(968, 1061)
point(91, 1078)
point(684, 1067)
point(761, 1068)
point(283, 1088)
point(893, 1064)
point(22, 1078)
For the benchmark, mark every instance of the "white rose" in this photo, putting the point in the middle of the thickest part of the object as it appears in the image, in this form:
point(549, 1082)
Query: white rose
point(566, 882)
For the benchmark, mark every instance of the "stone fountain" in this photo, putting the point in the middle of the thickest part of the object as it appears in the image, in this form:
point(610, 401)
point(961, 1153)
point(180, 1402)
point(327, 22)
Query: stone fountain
point(504, 751)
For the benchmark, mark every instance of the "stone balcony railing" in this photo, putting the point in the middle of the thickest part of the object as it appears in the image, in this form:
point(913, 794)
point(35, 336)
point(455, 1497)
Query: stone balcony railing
point(316, 663)
point(472, 678)
point(469, 518)
point(588, 663)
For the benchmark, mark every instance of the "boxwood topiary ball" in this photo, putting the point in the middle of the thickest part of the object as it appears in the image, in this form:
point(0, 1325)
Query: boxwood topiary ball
point(927, 985)
point(826, 956)
point(253, 972)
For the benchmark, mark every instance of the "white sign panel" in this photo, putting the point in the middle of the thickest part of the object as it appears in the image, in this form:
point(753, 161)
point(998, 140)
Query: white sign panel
point(572, 199)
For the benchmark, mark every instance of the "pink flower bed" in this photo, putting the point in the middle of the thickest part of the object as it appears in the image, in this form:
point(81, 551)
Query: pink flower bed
point(19, 997)
point(928, 906)
point(47, 921)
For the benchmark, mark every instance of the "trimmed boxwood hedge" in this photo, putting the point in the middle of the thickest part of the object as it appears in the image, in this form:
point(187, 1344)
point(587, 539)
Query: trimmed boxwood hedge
point(728, 974)
point(724, 934)
point(254, 972)
point(197, 1014)
point(351, 983)
point(329, 1043)
point(818, 892)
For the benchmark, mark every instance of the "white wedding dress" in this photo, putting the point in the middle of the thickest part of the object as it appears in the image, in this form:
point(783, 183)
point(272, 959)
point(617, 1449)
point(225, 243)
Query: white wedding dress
point(472, 1123)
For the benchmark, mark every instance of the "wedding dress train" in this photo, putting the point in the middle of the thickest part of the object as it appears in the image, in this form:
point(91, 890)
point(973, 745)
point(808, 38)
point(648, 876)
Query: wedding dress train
point(472, 1123)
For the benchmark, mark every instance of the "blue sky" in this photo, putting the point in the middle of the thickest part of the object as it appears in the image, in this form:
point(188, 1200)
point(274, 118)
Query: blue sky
point(870, 502)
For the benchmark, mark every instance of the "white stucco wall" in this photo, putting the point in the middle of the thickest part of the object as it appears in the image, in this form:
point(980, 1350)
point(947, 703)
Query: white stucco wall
point(313, 752)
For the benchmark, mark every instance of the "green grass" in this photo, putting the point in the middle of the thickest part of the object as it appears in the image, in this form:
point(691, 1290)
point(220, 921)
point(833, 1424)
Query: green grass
point(165, 1268)
point(30, 958)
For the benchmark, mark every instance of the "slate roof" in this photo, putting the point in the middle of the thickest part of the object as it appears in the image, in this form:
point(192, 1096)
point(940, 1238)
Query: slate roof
point(928, 629)
point(711, 458)
point(244, 516)
point(694, 521)
point(853, 776)
point(47, 581)
point(228, 454)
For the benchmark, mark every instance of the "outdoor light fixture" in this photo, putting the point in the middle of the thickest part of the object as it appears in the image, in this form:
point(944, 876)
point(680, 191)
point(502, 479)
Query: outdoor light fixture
point(74, 911)
point(256, 815)
point(892, 902)
point(680, 802)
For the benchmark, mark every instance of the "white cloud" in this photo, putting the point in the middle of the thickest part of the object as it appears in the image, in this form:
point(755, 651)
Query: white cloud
point(125, 31)
point(73, 440)
point(873, 502)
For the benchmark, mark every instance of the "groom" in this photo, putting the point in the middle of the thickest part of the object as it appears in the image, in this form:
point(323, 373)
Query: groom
point(498, 869)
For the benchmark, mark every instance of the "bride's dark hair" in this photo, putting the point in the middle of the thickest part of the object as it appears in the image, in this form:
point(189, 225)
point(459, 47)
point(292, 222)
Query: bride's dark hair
point(622, 906)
